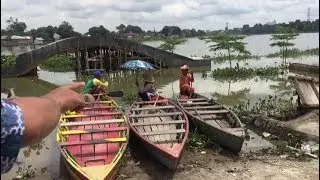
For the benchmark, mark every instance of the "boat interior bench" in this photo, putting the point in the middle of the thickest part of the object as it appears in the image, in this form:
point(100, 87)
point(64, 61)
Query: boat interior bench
point(96, 141)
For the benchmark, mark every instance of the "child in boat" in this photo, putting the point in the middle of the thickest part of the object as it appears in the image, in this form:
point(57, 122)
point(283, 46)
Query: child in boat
point(148, 91)
point(95, 85)
point(186, 78)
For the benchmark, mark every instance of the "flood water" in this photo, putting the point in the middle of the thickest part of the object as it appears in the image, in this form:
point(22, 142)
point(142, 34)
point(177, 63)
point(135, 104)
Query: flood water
point(227, 91)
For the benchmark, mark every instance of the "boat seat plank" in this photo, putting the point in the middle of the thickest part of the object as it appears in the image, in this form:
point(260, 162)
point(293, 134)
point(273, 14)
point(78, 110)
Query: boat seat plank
point(203, 107)
point(167, 141)
point(98, 108)
point(91, 115)
point(94, 159)
point(96, 122)
point(89, 131)
point(159, 123)
point(99, 102)
point(223, 123)
point(163, 132)
point(151, 102)
point(211, 112)
point(155, 115)
point(152, 108)
point(196, 99)
point(194, 103)
point(96, 141)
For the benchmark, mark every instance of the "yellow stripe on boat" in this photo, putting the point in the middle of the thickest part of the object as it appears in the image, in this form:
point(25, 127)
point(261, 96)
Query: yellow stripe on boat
point(94, 172)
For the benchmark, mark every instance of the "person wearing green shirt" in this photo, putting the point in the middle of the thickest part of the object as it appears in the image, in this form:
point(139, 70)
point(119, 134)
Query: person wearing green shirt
point(95, 85)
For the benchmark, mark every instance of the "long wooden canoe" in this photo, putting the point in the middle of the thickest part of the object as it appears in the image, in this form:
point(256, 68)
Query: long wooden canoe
point(162, 127)
point(93, 140)
point(215, 120)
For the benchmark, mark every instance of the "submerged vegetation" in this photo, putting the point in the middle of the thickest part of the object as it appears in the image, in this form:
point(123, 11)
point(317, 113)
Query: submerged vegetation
point(232, 97)
point(59, 63)
point(272, 106)
point(230, 43)
point(294, 53)
point(283, 40)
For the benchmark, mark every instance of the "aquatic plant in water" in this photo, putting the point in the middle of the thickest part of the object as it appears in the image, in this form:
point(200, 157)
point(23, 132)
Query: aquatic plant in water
point(59, 63)
point(232, 98)
point(247, 72)
point(294, 53)
point(272, 106)
point(8, 61)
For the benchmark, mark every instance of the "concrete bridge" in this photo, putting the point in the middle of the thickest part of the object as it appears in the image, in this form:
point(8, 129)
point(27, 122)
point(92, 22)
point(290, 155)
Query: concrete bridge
point(110, 52)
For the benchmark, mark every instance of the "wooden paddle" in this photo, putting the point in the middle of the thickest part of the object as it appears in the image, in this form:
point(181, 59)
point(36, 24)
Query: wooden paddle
point(157, 98)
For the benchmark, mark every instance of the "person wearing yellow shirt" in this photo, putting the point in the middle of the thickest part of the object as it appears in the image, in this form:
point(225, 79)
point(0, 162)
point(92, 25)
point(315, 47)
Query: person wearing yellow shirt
point(95, 85)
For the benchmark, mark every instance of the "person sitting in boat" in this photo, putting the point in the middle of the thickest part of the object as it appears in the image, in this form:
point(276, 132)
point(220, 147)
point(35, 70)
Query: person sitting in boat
point(148, 91)
point(186, 78)
point(95, 85)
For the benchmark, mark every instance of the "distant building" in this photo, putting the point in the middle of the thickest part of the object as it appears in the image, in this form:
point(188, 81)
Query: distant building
point(130, 35)
point(19, 44)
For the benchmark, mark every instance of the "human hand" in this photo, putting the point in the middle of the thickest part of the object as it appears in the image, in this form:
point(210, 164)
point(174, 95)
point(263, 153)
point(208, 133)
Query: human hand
point(67, 97)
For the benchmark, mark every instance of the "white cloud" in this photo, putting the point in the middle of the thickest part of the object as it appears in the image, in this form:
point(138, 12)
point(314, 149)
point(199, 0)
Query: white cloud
point(199, 14)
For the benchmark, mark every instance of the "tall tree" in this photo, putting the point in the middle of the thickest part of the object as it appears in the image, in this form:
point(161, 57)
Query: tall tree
point(283, 40)
point(133, 29)
point(66, 30)
point(98, 31)
point(15, 27)
point(171, 30)
point(231, 43)
point(121, 28)
point(171, 43)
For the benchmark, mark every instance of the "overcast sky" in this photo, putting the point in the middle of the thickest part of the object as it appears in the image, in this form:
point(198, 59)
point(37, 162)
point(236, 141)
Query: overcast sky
point(149, 14)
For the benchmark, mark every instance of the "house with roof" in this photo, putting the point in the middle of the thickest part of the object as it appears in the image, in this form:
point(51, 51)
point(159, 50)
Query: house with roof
point(19, 44)
point(130, 35)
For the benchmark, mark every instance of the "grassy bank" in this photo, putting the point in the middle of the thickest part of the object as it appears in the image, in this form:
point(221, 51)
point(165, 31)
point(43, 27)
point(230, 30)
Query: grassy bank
point(59, 63)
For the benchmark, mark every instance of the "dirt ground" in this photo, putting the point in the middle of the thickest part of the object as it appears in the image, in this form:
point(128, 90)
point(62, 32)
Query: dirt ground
point(211, 165)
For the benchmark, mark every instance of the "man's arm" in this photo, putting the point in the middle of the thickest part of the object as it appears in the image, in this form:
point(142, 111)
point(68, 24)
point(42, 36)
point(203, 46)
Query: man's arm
point(97, 82)
point(41, 115)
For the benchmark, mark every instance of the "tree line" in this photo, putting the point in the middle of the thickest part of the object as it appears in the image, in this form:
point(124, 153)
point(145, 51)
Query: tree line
point(65, 30)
